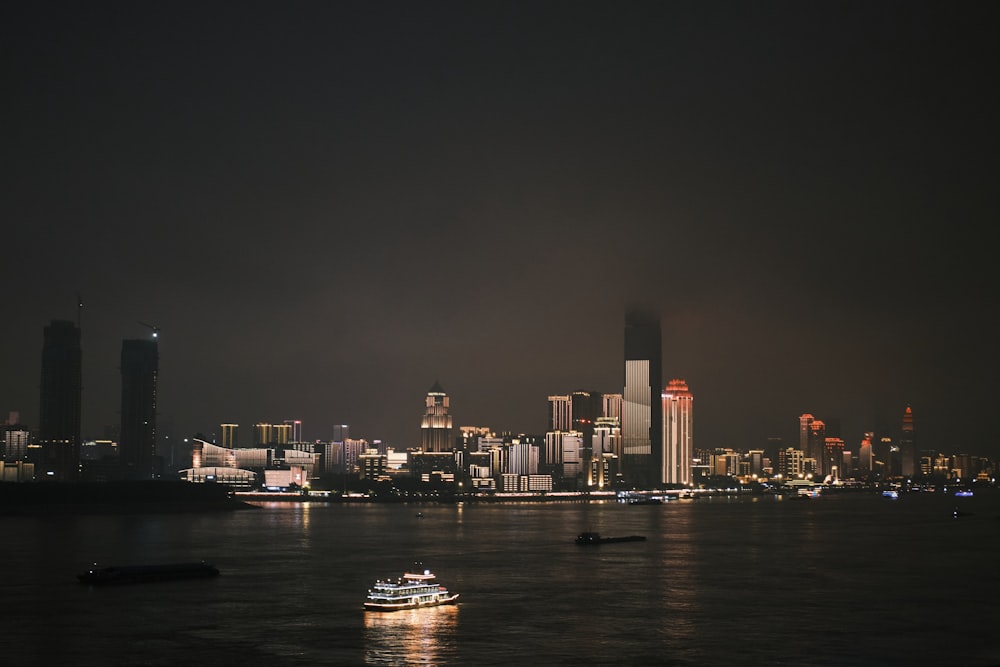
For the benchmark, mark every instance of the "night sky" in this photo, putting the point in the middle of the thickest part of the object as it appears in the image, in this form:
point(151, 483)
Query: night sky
point(326, 207)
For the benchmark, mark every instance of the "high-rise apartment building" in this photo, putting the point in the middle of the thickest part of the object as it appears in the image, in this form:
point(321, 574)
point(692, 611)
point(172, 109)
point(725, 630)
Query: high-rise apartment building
point(61, 398)
point(642, 406)
point(833, 458)
point(908, 445)
point(436, 425)
point(282, 433)
point(296, 432)
point(229, 435)
point(140, 365)
point(263, 434)
point(560, 413)
point(678, 429)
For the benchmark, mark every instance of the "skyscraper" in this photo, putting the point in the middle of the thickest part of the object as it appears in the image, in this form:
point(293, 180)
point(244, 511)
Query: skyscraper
point(140, 365)
point(678, 423)
point(908, 445)
point(435, 427)
point(642, 399)
point(61, 393)
point(814, 447)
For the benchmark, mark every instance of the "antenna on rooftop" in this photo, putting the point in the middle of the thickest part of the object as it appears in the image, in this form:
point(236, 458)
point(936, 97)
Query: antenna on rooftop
point(155, 330)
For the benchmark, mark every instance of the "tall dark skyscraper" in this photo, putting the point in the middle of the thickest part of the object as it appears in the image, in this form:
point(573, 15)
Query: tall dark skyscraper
point(140, 365)
point(61, 395)
point(642, 407)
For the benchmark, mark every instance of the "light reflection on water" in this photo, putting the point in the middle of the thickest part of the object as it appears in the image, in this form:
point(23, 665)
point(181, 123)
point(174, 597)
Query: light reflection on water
point(411, 636)
point(715, 577)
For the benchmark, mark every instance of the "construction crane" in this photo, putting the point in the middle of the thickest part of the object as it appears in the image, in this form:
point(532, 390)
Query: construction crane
point(155, 330)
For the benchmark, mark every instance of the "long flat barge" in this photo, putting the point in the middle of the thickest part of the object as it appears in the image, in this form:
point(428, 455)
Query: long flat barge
point(136, 574)
point(595, 538)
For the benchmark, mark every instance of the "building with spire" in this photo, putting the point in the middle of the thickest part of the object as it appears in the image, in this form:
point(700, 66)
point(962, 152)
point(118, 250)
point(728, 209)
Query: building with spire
point(61, 400)
point(436, 425)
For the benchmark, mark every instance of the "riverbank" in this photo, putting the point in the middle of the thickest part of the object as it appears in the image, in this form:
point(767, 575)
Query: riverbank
point(115, 498)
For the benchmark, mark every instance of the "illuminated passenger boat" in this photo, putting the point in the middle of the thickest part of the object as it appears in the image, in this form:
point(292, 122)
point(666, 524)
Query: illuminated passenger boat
point(411, 591)
point(135, 574)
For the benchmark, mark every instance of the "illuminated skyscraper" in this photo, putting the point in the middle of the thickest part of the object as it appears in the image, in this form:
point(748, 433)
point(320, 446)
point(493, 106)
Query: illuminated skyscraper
point(814, 447)
point(61, 393)
point(678, 423)
point(804, 421)
point(866, 456)
point(908, 445)
point(435, 427)
point(642, 406)
point(140, 365)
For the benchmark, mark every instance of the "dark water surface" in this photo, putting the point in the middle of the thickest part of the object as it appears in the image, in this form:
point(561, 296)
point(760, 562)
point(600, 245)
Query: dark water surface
point(852, 579)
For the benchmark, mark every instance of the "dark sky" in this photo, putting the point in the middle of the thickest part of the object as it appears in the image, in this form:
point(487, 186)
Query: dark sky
point(328, 206)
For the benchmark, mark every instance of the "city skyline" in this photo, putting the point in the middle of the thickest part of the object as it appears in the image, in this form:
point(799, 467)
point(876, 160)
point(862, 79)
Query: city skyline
point(578, 411)
point(325, 208)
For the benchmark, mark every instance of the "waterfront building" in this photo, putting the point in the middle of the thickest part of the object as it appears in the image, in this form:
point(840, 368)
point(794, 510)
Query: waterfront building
point(436, 425)
point(833, 458)
point(61, 399)
point(678, 433)
point(15, 445)
point(606, 452)
point(522, 458)
point(17, 471)
point(140, 362)
point(642, 432)
point(791, 463)
point(432, 466)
